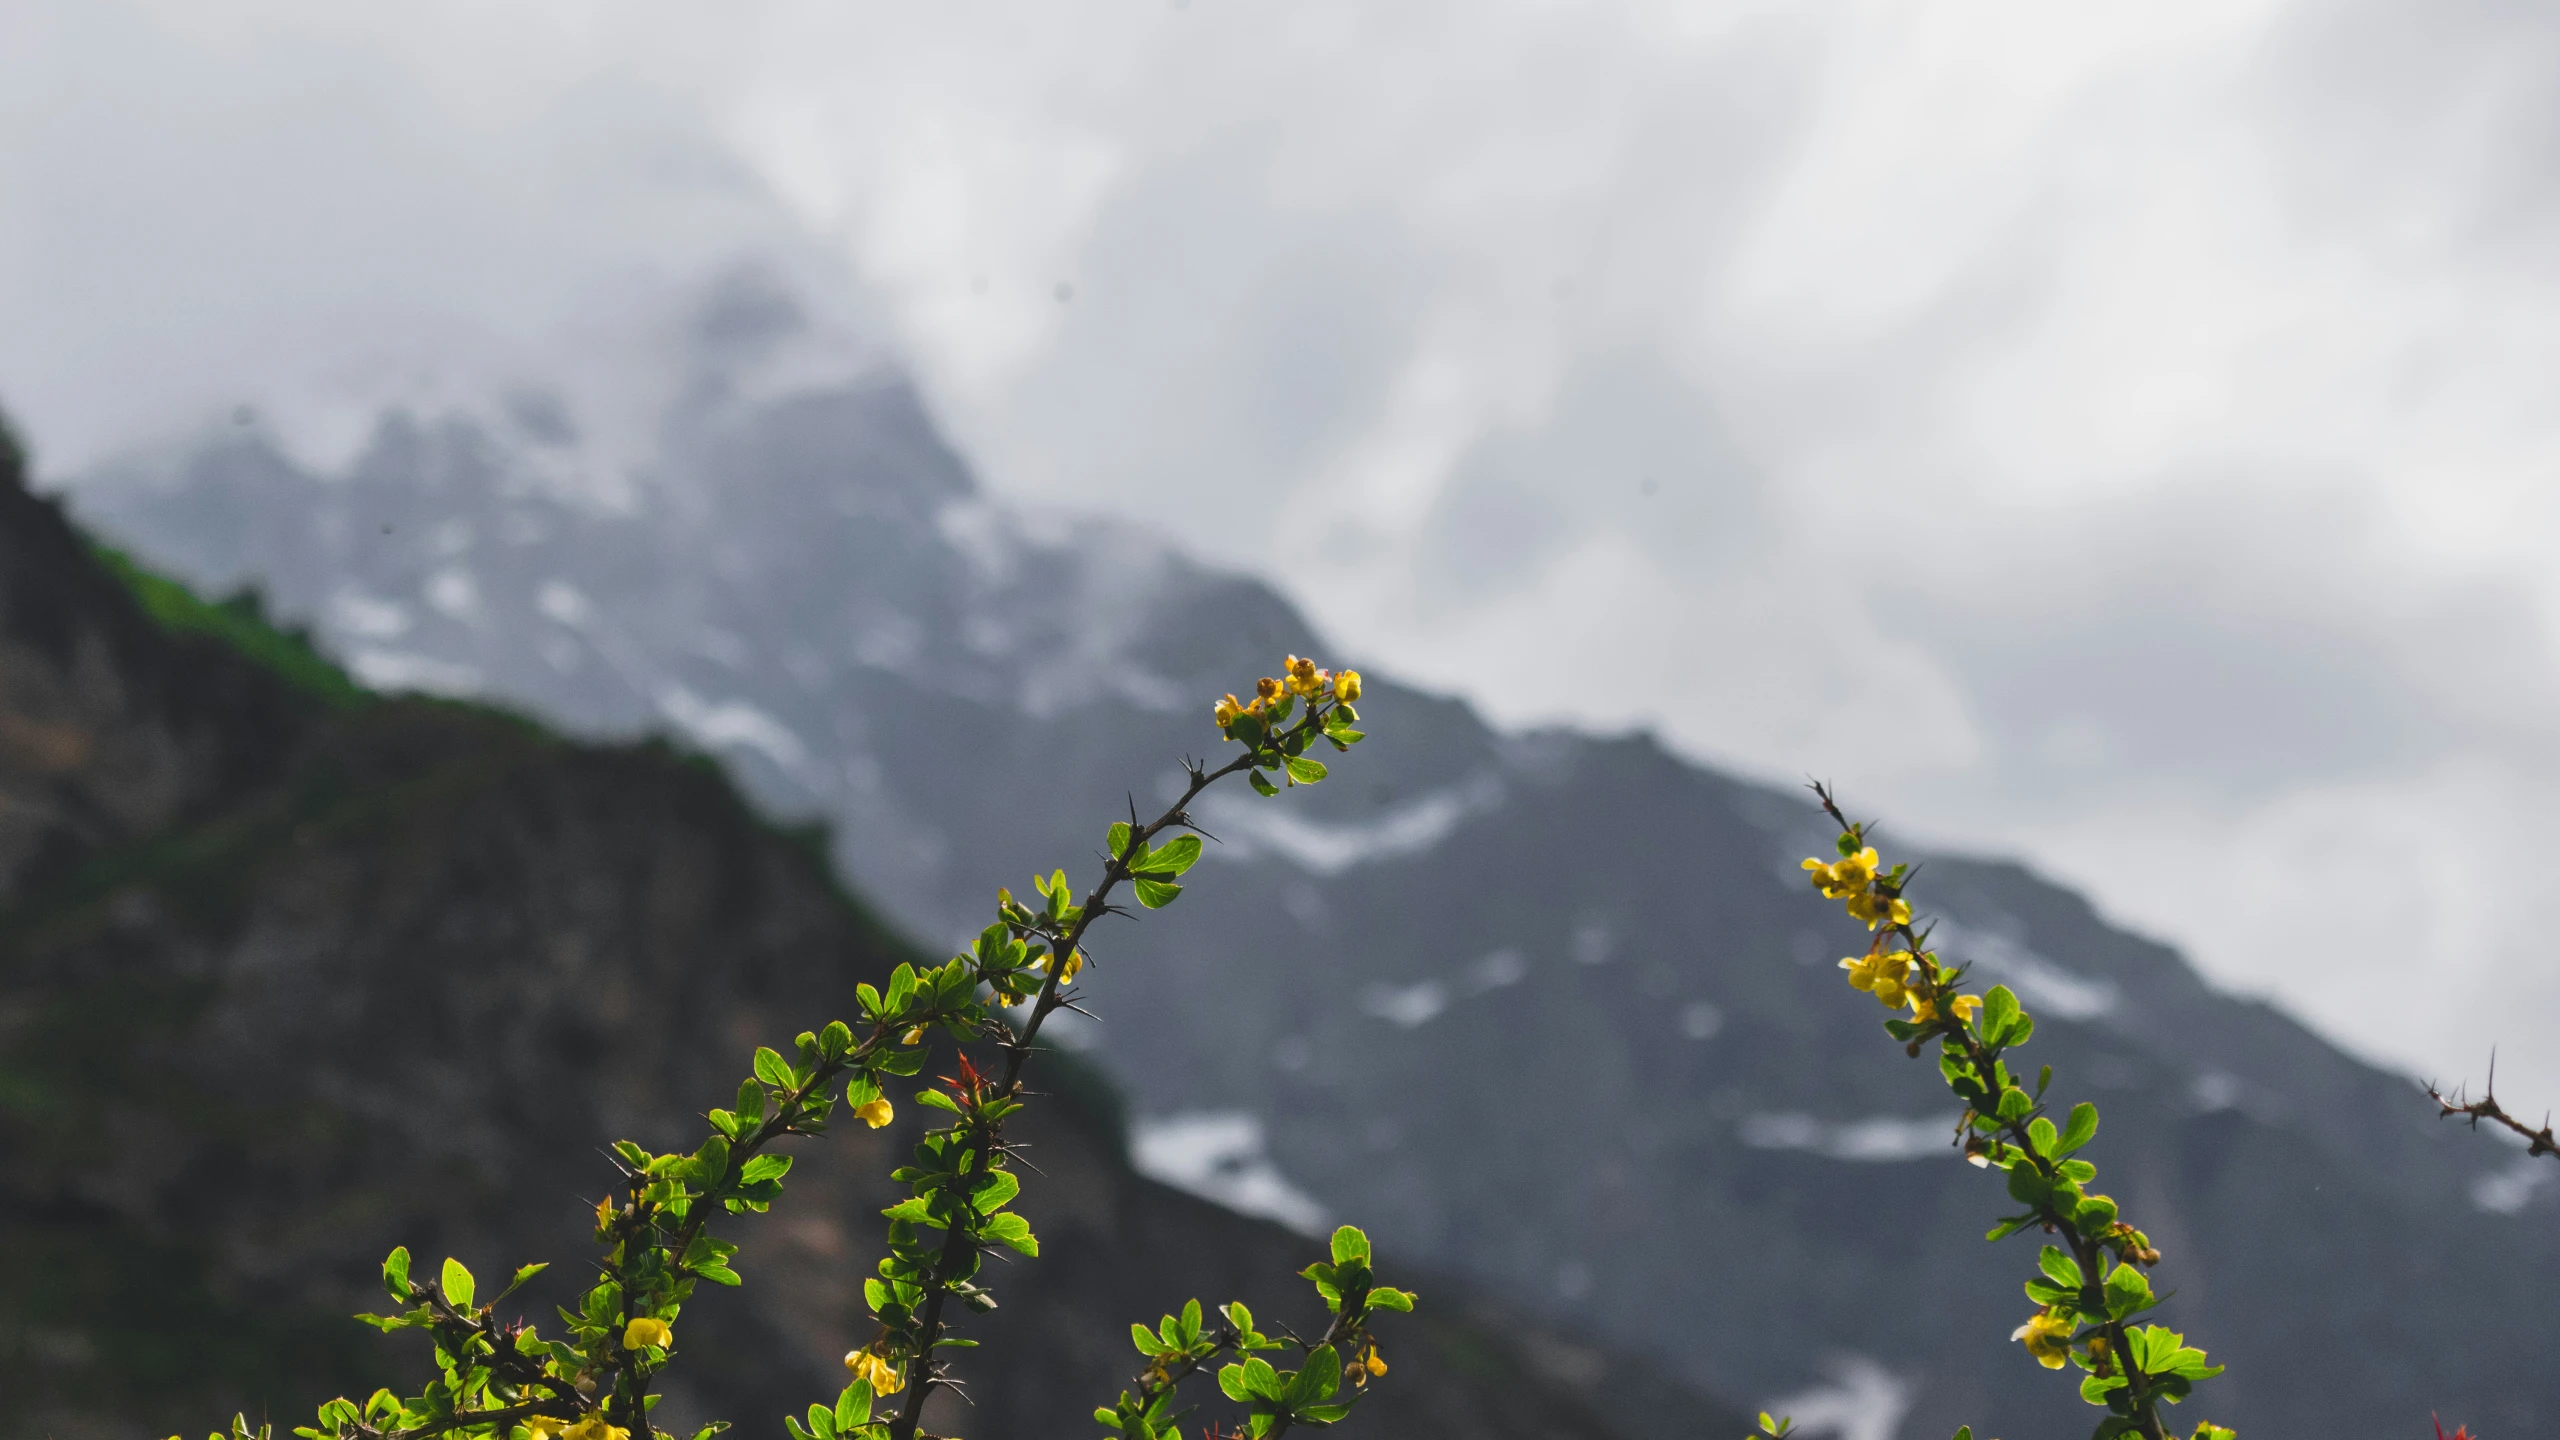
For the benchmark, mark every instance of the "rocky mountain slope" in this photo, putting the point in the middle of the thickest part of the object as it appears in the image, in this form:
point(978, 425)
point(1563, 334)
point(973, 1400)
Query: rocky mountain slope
point(290, 974)
point(1554, 1011)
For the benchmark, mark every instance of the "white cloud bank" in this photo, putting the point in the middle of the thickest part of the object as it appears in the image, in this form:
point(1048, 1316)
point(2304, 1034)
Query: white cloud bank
point(2120, 436)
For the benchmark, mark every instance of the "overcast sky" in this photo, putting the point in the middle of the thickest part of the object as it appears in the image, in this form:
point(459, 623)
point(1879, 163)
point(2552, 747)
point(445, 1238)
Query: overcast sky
point(2120, 436)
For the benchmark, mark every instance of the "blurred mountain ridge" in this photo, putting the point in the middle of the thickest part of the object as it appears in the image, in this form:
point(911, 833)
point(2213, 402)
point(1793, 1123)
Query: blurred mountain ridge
point(1555, 1011)
point(291, 973)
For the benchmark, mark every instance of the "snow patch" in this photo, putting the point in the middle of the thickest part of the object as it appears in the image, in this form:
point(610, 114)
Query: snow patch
point(1884, 1139)
point(1329, 849)
point(1861, 1401)
point(406, 670)
point(732, 723)
point(367, 617)
point(1406, 1007)
point(2045, 987)
point(1219, 1156)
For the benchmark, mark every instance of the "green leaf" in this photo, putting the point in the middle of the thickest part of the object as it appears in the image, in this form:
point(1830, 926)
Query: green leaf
point(1305, 771)
point(1156, 894)
point(1998, 1009)
point(2062, 1269)
point(835, 1040)
point(1322, 1414)
point(1261, 1380)
point(717, 1274)
point(772, 1069)
point(853, 1407)
point(1175, 855)
point(2127, 1292)
point(2041, 1135)
point(1316, 1380)
point(1116, 845)
point(1387, 1297)
point(1260, 784)
point(1145, 1339)
point(523, 1273)
point(993, 1190)
point(1011, 1230)
point(1350, 1244)
point(914, 1208)
point(938, 1100)
point(458, 1285)
point(1231, 1382)
point(395, 1273)
point(2080, 1129)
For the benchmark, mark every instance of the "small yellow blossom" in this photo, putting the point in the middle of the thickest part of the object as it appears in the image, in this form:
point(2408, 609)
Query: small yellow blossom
point(1227, 709)
point(1375, 1365)
point(1882, 975)
point(869, 1364)
point(1346, 686)
point(1963, 1005)
point(1301, 676)
point(542, 1426)
point(645, 1331)
point(2048, 1338)
point(876, 1112)
point(1843, 878)
point(604, 1212)
point(1075, 964)
point(593, 1427)
point(914, 1034)
point(1267, 691)
point(1877, 910)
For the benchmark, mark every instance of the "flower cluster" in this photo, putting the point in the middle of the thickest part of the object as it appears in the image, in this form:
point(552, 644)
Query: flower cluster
point(1271, 695)
point(2090, 1285)
point(1873, 898)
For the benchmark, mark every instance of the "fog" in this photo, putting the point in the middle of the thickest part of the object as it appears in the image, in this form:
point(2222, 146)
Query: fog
point(2115, 438)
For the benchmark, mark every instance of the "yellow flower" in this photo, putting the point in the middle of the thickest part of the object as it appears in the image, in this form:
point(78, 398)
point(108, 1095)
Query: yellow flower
point(1227, 709)
point(1075, 964)
point(1267, 691)
point(877, 1112)
point(1346, 686)
point(1880, 974)
point(869, 1364)
point(1963, 1005)
point(592, 1427)
point(1301, 676)
point(1843, 878)
point(1374, 1365)
point(1877, 910)
point(645, 1331)
point(914, 1034)
point(2048, 1338)
point(542, 1426)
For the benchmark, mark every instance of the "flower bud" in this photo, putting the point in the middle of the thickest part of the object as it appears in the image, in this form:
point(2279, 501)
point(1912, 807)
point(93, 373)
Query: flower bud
point(1346, 686)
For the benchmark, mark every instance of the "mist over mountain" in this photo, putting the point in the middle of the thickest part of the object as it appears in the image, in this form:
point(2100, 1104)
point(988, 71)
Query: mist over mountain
point(1551, 1011)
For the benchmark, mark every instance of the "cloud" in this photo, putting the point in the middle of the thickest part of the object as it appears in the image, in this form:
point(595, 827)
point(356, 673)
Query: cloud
point(2119, 435)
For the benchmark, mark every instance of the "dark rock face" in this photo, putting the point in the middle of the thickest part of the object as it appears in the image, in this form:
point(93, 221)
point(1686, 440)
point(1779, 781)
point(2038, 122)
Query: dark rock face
point(284, 984)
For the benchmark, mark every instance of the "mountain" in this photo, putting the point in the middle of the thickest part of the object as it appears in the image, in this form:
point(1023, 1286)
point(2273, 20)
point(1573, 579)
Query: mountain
point(291, 973)
point(1551, 1011)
